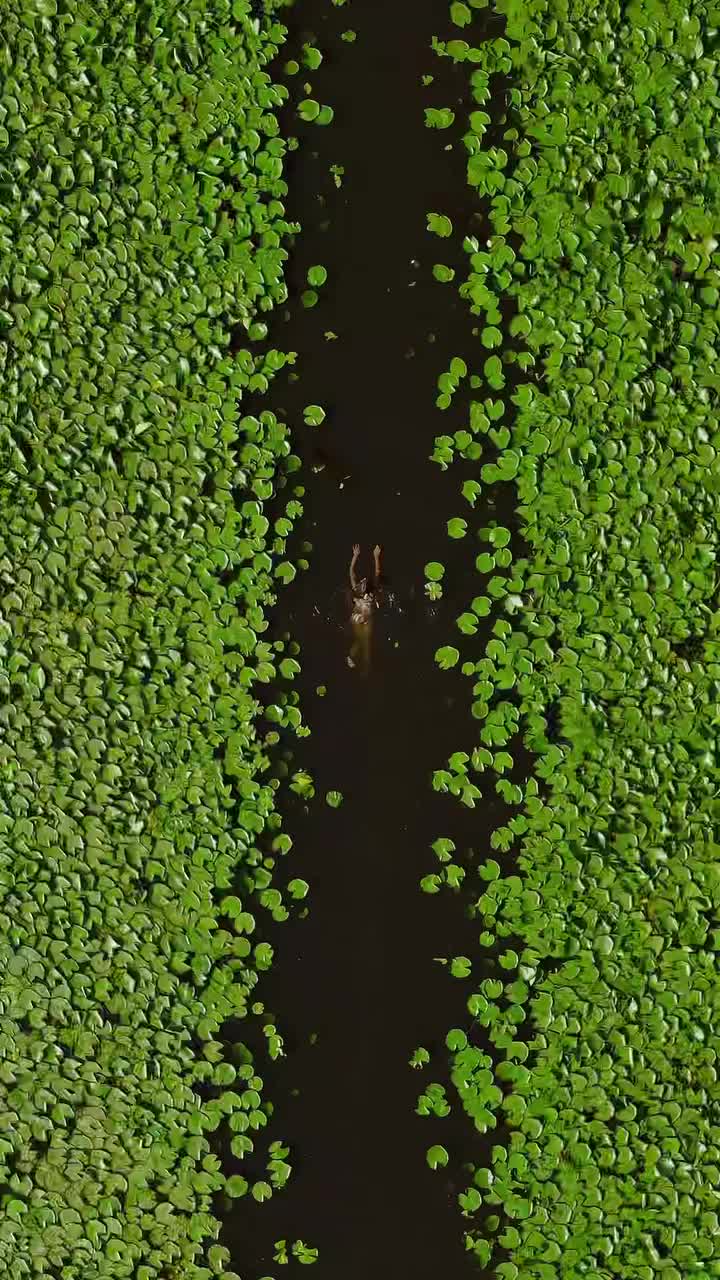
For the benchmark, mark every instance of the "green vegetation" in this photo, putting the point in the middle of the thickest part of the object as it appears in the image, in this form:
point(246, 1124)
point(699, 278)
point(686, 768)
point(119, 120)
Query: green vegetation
point(434, 574)
point(314, 415)
point(440, 224)
point(147, 513)
point(437, 1157)
point(604, 653)
point(312, 57)
point(439, 117)
point(317, 276)
point(313, 112)
point(443, 273)
point(449, 381)
point(141, 220)
point(300, 1251)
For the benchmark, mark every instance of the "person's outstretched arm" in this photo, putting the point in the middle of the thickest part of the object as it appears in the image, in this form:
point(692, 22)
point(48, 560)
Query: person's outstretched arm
point(377, 553)
point(353, 562)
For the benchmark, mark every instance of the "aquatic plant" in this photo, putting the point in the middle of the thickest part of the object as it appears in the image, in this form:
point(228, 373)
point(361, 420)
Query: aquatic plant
point(299, 1250)
point(314, 415)
point(142, 244)
point(602, 1065)
point(440, 224)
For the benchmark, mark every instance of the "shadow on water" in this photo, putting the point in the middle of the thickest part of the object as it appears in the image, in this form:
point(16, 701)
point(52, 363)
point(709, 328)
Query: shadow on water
point(359, 974)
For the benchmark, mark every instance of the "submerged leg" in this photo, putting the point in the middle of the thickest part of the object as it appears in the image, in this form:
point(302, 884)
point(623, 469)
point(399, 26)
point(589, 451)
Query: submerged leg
point(365, 648)
point(359, 656)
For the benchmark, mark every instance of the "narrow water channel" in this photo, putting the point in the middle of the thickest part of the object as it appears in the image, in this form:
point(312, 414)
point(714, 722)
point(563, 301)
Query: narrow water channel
point(355, 986)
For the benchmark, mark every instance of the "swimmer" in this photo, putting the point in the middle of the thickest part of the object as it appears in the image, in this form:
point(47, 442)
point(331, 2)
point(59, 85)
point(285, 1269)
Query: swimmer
point(365, 599)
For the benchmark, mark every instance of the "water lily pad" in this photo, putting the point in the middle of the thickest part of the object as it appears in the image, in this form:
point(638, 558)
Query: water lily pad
point(434, 571)
point(460, 14)
point(317, 276)
point(237, 1186)
point(298, 889)
point(457, 527)
point(439, 117)
point(439, 224)
point(437, 1157)
point(447, 657)
point(314, 415)
point(311, 56)
point(309, 109)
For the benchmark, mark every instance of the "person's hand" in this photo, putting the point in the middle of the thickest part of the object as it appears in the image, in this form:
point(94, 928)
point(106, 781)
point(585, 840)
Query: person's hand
point(356, 549)
point(376, 551)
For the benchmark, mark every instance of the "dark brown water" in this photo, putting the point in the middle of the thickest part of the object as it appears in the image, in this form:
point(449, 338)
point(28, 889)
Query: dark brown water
point(360, 970)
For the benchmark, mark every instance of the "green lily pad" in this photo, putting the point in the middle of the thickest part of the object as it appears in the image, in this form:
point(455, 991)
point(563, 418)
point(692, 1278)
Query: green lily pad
point(314, 415)
point(447, 657)
point(317, 276)
point(309, 109)
point(437, 1157)
point(439, 224)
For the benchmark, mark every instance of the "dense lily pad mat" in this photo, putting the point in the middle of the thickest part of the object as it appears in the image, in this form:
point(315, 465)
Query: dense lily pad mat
point(603, 1030)
point(141, 218)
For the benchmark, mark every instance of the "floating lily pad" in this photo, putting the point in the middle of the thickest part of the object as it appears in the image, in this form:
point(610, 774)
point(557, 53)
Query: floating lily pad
point(439, 224)
point(447, 657)
point(314, 415)
point(437, 1157)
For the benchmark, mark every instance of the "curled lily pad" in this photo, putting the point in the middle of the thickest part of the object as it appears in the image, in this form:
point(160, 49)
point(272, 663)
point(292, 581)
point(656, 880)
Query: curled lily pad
point(439, 117)
point(443, 273)
point(298, 889)
point(439, 224)
point(457, 527)
point(460, 13)
point(431, 883)
point(312, 57)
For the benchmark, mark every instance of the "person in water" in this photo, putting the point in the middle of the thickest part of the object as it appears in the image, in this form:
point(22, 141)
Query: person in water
point(365, 599)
